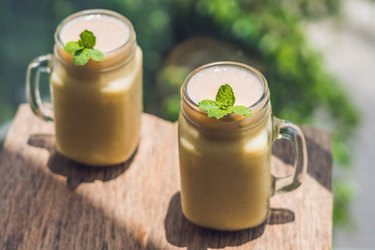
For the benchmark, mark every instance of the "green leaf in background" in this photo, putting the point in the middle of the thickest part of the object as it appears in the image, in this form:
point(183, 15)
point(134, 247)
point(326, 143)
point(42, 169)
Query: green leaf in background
point(344, 191)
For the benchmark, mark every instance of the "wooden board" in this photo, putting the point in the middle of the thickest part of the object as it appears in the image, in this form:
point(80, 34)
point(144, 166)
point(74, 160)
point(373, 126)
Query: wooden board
point(50, 202)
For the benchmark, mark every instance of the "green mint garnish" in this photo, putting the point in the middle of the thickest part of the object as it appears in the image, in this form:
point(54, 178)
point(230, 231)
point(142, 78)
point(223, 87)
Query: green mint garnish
point(83, 50)
point(223, 104)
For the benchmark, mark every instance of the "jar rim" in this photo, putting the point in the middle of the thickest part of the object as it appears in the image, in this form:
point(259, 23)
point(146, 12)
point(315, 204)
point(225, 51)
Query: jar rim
point(128, 46)
point(130, 40)
point(255, 106)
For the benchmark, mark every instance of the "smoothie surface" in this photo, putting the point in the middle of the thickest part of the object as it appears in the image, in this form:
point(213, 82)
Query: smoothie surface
point(111, 33)
point(247, 87)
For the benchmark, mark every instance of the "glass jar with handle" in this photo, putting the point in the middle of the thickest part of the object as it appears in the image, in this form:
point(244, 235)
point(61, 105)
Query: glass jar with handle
point(225, 164)
point(96, 108)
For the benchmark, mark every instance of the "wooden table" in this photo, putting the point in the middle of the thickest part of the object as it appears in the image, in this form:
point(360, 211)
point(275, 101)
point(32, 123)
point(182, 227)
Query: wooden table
point(50, 202)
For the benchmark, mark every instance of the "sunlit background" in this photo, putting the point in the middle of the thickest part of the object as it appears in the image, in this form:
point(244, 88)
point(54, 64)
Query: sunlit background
point(317, 55)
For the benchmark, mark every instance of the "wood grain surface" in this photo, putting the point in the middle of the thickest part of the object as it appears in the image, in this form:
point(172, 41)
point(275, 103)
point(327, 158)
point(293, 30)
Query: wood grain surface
point(50, 202)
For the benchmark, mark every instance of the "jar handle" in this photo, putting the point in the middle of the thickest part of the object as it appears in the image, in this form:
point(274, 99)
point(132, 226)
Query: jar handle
point(41, 64)
point(291, 132)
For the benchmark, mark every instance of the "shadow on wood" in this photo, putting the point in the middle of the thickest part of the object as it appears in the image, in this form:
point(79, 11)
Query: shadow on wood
point(280, 216)
point(182, 233)
point(75, 172)
point(56, 217)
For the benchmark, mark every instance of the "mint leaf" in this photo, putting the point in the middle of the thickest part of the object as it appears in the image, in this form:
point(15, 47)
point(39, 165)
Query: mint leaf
point(88, 40)
point(212, 109)
point(95, 54)
point(207, 105)
point(223, 105)
point(242, 110)
point(81, 57)
point(217, 113)
point(83, 49)
point(72, 47)
point(225, 96)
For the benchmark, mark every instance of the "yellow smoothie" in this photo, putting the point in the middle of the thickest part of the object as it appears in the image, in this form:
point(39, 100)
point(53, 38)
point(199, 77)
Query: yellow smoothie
point(98, 107)
point(225, 164)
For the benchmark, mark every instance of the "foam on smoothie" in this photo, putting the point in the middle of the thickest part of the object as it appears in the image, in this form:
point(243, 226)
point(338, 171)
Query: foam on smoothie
point(111, 33)
point(247, 87)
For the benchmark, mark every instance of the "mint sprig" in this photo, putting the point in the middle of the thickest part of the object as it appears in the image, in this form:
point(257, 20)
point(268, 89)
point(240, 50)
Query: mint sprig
point(223, 104)
point(83, 49)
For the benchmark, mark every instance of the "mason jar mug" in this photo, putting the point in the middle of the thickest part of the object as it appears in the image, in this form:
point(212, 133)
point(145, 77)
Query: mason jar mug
point(225, 164)
point(96, 108)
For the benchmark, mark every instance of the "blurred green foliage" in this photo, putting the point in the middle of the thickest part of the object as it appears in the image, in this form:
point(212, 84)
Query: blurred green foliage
point(179, 35)
point(344, 191)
